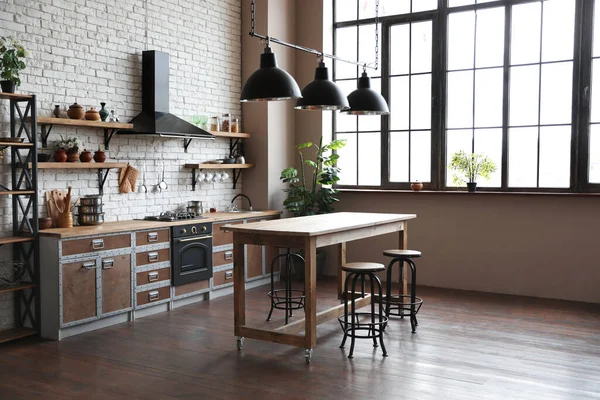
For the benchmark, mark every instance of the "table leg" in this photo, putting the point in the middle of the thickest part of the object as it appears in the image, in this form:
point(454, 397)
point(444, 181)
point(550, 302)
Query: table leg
point(341, 274)
point(310, 287)
point(239, 285)
point(403, 244)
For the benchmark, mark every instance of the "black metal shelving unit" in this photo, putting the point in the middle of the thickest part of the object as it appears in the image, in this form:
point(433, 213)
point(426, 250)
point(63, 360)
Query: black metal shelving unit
point(23, 190)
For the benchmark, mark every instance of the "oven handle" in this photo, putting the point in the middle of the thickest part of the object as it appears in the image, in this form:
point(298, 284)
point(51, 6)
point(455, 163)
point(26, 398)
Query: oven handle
point(193, 239)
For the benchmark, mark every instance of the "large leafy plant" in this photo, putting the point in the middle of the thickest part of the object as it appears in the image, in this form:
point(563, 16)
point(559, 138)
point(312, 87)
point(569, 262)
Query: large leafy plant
point(11, 54)
point(468, 167)
point(310, 192)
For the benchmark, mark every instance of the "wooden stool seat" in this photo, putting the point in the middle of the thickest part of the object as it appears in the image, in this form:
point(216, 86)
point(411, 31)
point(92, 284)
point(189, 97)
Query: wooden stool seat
point(363, 267)
point(402, 253)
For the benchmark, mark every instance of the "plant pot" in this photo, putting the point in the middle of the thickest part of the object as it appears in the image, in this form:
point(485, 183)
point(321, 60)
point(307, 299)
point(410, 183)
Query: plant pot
point(60, 155)
point(472, 186)
point(298, 266)
point(8, 86)
point(73, 155)
point(85, 156)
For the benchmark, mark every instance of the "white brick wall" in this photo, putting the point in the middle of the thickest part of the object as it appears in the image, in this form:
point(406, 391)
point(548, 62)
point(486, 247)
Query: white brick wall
point(90, 52)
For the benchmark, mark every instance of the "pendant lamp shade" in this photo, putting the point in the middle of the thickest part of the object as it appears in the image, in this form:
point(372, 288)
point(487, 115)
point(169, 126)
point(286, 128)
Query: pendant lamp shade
point(269, 83)
point(366, 101)
point(322, 94)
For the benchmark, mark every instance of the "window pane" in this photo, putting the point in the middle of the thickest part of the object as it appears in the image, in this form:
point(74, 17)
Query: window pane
point(524, 84)
point(525, 41)
point(490, 38)
point(489, 86)
point(399, 106)
point(420, 97)
point(461, 40)
point(460, 99)
point(421, 47)
point(345, 47)
point(393, 7)
point(558, 30)
point(557, 92)
point(423, 5)
point(595, 106)
point(399, 156)
point(345, 10)
point(347, 161)
point(366, 9)
point(455, 141)
point(369, 158)
point(366, 46)
point(594, 168)
point(522, 157)
point(400, 45)
point(420, 160)
point(371, 122)
point(345, 122)
point(456, 3)
point(489, 143)
point(555, 156)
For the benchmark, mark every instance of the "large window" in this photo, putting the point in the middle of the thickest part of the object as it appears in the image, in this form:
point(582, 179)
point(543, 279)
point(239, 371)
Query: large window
point(507, 78)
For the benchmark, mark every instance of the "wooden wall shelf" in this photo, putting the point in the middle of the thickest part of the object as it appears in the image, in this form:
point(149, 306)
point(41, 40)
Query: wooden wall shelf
point(240, 135)
point(110, 128)
point(15, 96)
point(15, 239)
point(103, 169)
point(237, 170)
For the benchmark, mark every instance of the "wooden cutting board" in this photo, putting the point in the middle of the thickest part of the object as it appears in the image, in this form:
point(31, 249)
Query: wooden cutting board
point(54, 207)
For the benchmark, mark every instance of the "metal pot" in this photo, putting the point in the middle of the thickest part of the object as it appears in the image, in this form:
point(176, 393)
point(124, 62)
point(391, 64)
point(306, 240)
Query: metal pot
point(90, 219)
point(90, 209)
point(91, 200)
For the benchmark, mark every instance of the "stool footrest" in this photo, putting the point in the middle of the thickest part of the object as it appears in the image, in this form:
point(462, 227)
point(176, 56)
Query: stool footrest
point(374, 329)
point(280, 302)
point(399, 308)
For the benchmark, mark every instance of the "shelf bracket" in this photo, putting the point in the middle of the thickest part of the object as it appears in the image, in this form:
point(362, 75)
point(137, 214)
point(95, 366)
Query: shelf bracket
point(193, 179)
point(186, 144)
point(236, 176)
point(108, 136)
point(46, 129)
point(233, 146)
point(102, 175)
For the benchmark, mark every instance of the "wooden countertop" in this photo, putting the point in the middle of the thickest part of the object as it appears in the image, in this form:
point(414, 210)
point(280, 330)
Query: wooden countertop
point(136, 225)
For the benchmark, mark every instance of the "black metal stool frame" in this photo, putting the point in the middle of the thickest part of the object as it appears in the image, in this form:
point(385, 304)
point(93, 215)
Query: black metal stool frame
point(374, 328)
point(288, 302)
point(403, 309)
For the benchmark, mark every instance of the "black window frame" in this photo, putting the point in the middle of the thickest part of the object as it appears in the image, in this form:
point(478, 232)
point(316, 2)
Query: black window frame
point(580, 121)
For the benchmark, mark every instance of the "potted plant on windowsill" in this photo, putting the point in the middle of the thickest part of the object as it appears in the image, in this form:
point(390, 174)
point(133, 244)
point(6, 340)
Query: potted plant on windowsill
point(469, 167)
point(11, 54)
point(311, 193)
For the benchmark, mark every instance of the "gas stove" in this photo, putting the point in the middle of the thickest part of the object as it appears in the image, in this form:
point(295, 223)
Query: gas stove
point(173, 216)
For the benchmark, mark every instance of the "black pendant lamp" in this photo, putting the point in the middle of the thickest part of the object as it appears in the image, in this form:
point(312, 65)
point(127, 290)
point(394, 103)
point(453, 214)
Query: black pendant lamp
point(269, 83)
point(322, 94)
point(366, 101)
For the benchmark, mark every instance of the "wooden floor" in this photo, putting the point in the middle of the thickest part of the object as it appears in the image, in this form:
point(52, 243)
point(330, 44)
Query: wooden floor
point(468, 346)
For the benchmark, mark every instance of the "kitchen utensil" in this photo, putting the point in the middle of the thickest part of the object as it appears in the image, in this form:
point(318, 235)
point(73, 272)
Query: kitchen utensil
point(54, 202)
point(201, 177)
point(90, 209)
point(65, 220)
point(208, 177)
point(73, 205)
point(90, 219)
point(229, 160)
point(216, 177)
point(143, 187)
point(128, 177)
point(67, 204)
point(91, 200)
point(240, 160)
point(43, 223)
point(224, 176)
point(162, 185)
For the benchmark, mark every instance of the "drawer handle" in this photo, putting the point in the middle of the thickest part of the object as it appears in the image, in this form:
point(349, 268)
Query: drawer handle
point(229, 255)
point(97, 244)
point(89, 265)
point(109, 263)
point(153, 257)
point(152, 276)
point(228, 275)
point(153, 295)
point(152, 236)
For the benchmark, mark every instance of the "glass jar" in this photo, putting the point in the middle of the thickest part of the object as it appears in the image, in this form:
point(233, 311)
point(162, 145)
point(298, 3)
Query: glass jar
point(226, 123)
point(214, 123)
point(235, 125)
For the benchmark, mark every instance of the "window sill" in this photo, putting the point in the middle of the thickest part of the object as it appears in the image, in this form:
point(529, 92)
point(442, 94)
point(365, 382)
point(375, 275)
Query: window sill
point(464, 192)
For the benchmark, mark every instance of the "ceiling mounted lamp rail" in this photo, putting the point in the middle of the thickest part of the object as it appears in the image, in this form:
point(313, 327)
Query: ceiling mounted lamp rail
point(271, 83)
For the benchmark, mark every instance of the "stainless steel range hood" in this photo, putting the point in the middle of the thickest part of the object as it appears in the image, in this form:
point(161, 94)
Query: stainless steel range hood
point(155, 118)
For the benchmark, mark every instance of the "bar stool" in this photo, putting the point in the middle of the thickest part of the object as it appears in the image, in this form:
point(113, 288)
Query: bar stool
point(287, 299)
point(375, 323)
point(394, 304)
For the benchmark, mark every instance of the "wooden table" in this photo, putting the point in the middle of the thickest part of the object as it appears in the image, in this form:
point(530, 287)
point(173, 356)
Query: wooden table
point(306, 233)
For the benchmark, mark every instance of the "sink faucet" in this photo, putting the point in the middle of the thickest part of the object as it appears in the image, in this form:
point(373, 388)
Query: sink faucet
point(243, 195)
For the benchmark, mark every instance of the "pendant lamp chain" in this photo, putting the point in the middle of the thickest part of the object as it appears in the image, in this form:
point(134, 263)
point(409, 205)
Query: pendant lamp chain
point(252, 16)
point(376, 34)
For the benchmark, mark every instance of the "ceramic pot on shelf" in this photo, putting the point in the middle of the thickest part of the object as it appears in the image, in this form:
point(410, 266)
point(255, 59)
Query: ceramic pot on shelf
point(416, 186)
point(92, 115)
point(73, 155)
point(60, 155)
point(103, 113)
point(99, 156)
point(85, 156)
point(75, 111)
point(56, 111)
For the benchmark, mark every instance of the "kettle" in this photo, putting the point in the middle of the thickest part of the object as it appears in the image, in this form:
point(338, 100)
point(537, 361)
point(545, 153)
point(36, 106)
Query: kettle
point(240, 160)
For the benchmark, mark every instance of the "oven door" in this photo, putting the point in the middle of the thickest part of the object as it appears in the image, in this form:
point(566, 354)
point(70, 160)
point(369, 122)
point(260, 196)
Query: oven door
point(192, 259)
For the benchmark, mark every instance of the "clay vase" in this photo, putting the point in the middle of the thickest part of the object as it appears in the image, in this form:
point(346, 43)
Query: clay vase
point(73, 155)
point(99, 156)
point(85, 156)
point(75, 111)
point(56, 111)
point(60, 155)
point(92, 115)
point(103, 113)
point(416, 186)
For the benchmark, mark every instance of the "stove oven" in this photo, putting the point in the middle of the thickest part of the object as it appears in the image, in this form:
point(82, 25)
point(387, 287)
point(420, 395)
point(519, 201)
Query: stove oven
point(191, 253)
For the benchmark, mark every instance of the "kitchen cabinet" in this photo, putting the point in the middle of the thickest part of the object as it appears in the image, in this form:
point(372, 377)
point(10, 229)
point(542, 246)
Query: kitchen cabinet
point(79, 290)
point(116, 283)
point(95, 244)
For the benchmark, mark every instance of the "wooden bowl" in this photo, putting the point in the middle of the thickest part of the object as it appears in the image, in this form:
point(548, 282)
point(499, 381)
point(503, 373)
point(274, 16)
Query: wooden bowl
point(44, 223)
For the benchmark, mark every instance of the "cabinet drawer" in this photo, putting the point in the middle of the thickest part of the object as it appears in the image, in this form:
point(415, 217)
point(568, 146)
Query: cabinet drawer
point(222, 257)
point(152, 296)
point(152, 257)
point(222, 277)
point(97, 243)
point(223, 237)
point(156, 275)
point(191, 287)
point(151, 237)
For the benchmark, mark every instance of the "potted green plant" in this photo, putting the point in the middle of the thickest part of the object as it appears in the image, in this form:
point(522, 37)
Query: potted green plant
point(311, 192)
point(469, 167)
point(11, 55)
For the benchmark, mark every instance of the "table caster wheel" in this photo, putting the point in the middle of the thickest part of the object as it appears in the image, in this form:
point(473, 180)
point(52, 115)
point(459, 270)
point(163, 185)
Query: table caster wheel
point(240, 343)
point(308, 355)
